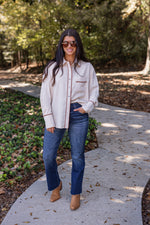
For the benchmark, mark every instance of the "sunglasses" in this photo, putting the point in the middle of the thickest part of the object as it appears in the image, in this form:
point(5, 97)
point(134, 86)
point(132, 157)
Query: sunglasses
point(66, 43)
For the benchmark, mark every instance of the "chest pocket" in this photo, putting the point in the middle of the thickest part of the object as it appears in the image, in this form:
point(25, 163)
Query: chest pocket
point(80, 83)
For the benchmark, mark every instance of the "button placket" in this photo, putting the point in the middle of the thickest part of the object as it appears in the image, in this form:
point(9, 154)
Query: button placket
point(69, 93)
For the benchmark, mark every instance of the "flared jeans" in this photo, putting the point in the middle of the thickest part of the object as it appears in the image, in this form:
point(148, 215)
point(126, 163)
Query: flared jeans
point(78, 128)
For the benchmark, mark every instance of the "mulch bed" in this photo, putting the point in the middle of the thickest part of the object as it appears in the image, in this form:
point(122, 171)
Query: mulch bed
point(146, 204)
point(131, 91)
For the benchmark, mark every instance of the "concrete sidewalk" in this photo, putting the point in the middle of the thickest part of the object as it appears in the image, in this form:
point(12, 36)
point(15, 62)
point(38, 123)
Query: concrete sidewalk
point(26, 88)
point(115, 176)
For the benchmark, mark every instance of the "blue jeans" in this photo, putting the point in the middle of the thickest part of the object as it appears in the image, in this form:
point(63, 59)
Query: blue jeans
point(78, 128)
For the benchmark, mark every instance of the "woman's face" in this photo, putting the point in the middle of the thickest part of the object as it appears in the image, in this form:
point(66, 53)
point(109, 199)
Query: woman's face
point(69, 50)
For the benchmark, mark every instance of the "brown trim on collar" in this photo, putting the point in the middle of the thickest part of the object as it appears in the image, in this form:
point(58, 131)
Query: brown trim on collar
point(65, 61)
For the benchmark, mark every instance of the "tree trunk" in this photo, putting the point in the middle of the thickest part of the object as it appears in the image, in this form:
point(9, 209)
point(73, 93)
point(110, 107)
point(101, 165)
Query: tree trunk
point(41, 50)
point(27, 59)
point(41, 55)
point(2, 61)
point(146, 70)
point(19, 58)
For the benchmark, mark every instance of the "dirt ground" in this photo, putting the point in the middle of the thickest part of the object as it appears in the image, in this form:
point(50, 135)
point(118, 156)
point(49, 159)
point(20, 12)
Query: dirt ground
point(124, 89)
point(129, 90)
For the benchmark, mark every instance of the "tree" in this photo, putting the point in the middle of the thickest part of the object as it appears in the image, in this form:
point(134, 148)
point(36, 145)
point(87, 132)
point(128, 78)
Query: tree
point(142, 7)
point(114, 32)
point(146, 70)
point(33, 30)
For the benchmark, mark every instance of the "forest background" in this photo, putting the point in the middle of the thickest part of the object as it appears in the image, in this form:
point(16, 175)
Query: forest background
point(114, 32)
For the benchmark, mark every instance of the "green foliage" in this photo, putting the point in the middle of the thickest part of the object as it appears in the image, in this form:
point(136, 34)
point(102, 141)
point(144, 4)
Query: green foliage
point(21, 135)
point(112, 31)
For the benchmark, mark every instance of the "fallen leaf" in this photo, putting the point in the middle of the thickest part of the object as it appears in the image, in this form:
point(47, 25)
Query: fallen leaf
point(4, 209)
point(45, 193)
point(34, 148)
point(112, 189)
point(2, 191)
point(148, 196)
point(133, 164)
point(146, 160)
point(97, 184)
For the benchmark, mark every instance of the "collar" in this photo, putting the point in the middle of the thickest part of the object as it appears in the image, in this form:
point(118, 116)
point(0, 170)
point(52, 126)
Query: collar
point(65, 61)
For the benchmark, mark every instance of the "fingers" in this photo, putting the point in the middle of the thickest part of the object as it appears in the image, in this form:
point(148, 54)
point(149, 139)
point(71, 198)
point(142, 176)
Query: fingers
point(51, 129)
point(81, 110)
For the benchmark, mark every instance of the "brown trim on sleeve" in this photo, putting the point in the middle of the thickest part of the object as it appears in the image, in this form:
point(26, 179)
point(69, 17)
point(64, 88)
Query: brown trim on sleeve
point(48, 114)
point(81, 81)
point(92, 102)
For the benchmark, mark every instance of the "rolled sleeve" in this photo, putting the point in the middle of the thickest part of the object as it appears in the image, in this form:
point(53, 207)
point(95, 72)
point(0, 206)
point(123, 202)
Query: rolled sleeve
point(93, 92)
point(88, 107)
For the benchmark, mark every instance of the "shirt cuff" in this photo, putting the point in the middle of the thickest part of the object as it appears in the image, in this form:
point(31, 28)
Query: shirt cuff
point(88, 107)
point(49, 121)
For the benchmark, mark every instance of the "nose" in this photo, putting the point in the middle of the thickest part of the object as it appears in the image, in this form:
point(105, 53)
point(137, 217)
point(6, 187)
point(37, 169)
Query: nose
point(69, 44)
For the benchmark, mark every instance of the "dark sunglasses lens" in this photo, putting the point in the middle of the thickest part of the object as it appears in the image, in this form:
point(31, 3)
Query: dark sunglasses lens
point(66, 43)
point(73, 44)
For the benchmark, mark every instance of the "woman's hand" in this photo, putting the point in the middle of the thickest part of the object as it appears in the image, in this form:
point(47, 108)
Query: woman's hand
point(81, 110)
point(51, 129)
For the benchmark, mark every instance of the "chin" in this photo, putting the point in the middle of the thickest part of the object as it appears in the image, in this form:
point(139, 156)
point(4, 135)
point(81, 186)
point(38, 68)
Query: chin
point(70, 53)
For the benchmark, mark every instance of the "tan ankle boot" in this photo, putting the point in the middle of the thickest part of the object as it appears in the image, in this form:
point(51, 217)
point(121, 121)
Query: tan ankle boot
point(56, 193)
point(75, 202)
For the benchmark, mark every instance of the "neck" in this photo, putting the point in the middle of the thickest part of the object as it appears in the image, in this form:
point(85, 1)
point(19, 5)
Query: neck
point(70, 59)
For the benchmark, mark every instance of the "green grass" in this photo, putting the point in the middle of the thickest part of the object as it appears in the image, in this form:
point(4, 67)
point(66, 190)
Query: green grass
point(21, 135)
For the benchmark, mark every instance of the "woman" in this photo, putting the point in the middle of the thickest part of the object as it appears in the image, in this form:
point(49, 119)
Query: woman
point(69, 92)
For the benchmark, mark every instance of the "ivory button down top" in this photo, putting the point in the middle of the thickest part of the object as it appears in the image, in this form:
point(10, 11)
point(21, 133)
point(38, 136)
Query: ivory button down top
point(70, 86)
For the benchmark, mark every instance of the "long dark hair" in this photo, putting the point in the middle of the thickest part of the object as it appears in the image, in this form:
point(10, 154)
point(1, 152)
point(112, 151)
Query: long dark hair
point(59, 55)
